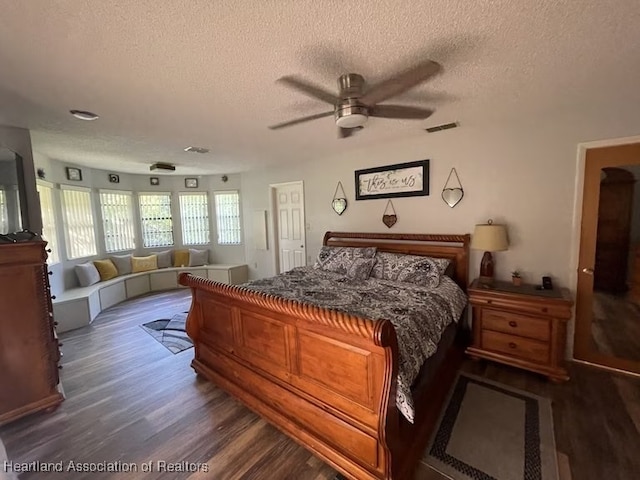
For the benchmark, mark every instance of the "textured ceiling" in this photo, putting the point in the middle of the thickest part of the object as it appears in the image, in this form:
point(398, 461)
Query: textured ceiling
point(166, 74)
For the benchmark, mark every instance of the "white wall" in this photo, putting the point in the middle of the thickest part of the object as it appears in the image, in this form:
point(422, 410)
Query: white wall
point(522, 175)
point(55, 171)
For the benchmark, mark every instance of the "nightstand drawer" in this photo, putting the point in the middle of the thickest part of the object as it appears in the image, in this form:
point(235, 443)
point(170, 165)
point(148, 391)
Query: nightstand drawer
point(521, 325)
point(533, 308)
point(515, 346)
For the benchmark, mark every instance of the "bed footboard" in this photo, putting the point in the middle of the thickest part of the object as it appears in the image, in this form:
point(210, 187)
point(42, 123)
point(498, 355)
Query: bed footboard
point(324, 378)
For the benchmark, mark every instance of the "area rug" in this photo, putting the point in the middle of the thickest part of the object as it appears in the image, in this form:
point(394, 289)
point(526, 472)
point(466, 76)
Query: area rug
point(489, 431)
point(170, 332)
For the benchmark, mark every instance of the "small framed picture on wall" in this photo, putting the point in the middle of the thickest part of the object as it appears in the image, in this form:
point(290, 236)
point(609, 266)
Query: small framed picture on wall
point(74, 174)
point(154, 180)
point(113, 178)
point(191, 182)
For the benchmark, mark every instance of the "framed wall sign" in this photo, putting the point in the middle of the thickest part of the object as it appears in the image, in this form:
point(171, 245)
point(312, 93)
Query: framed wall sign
point(191, 182)
point(113, 178)
point(74, 174)
point(401, 180)
point(154, 181)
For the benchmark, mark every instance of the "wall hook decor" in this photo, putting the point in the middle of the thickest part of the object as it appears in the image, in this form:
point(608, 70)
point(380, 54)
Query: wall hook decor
point(339, 204)
point(389, 219)
point(452, 195)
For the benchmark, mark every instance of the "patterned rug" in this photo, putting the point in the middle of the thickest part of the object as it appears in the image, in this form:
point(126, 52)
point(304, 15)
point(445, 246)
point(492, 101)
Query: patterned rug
point(489, 431)
point(170, 332)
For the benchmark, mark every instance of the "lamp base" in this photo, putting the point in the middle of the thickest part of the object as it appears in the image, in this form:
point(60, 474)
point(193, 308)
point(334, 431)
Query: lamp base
point(486, 270)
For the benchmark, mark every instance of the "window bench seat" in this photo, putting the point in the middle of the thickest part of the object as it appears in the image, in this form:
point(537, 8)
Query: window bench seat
point(78, 307)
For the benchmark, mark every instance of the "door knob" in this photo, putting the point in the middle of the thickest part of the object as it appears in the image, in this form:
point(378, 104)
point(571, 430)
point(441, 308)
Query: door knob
point(588, 271)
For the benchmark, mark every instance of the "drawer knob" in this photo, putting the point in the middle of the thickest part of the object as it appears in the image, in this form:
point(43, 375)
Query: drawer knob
point(513, 324)
point(53, 297)
point(512, 345)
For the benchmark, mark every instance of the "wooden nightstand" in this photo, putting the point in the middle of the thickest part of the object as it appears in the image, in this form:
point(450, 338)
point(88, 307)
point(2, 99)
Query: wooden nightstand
point(521, 326)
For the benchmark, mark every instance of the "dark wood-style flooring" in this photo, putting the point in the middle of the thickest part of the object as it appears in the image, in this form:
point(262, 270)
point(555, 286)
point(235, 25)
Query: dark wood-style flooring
point(129, 399)
point(616, 326)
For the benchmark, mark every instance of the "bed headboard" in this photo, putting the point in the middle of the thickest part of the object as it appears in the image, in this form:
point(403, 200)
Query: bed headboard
point(452, 247)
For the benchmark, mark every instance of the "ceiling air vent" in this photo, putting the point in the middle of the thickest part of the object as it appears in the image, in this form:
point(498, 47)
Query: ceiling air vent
point(444, 126)
point(163, 166)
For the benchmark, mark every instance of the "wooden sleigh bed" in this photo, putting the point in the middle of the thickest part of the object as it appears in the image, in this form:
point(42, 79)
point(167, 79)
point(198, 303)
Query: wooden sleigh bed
point(325, 378)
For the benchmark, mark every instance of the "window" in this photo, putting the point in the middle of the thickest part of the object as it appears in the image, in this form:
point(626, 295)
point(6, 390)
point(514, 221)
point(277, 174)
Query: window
point(228, 217)
point(79, 231)
point(155, 219)
point(194, 215)
point(117, 218)
point(48, 222)
point(4, 216)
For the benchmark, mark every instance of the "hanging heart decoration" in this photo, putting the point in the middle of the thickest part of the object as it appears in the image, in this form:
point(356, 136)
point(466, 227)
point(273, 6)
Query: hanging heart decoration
point(452, 195)
point(339, 204)
point(389, 219)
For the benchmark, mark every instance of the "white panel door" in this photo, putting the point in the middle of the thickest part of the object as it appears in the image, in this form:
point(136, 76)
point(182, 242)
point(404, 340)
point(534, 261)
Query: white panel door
point(290, 225)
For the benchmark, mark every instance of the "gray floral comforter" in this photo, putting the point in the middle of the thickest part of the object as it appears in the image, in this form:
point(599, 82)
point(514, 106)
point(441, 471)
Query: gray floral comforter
point(419, 314)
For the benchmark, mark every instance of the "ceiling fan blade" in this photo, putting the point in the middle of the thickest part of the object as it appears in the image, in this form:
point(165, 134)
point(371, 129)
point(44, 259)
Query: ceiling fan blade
point(347, 132)
point(400, 83)
point(301, 120)
point(309, 89)
point(400, 111)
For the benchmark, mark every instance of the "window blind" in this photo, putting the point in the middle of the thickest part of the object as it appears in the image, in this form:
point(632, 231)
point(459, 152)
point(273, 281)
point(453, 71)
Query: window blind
point(45, 193)
point(194, 215)
point(228, 217)
point(117, 218)
point(80, 234)
point(155, 219)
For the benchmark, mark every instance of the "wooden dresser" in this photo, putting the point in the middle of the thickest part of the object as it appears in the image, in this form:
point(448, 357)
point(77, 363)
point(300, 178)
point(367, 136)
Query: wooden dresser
point(29, 351)
point(521, 326)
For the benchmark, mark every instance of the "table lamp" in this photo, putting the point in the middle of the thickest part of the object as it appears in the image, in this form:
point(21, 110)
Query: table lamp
point(490, 238)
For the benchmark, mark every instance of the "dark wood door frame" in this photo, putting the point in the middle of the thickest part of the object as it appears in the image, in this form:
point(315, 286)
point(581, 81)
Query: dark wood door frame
point(595, 160)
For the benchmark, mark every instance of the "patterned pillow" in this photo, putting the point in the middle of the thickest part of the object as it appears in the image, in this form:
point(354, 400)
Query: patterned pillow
point(443, 264)
point(398, 267)
point(341, 259)
point(144, 264)
point(361, 268)
point(106, 269)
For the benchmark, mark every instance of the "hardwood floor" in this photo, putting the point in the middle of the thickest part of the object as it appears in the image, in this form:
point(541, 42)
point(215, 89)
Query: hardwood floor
point(616, 325)
point(130, 400)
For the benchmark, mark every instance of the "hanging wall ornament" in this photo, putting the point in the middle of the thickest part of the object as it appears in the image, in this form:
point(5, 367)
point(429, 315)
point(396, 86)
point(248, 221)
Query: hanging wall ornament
point(452, 195)
point(339, 204)
point(389, 217)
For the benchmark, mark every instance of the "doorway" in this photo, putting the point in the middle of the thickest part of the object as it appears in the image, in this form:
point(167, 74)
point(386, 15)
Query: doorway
point(289, 225)
point(608, 289)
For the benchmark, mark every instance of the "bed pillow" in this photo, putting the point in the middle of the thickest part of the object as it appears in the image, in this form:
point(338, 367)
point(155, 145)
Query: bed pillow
point(87, 274)
point(180, 258)
point(443, 265)
point(106, 269)
point(198, 257)
point(122, 263)
point(164, 258)
point(415, 269)
point(144, 264)
point(341, 260)
point(360, 268)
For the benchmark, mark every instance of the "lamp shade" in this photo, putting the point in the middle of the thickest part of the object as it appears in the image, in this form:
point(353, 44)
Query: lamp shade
point(490, 237)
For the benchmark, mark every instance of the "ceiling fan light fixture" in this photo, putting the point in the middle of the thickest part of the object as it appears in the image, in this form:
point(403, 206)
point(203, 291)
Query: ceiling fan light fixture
point(84, 115)
point(353, 120)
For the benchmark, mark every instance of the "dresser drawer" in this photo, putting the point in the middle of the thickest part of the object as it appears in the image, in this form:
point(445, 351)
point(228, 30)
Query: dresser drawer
point(532, 308)
point(521, 325)
point(515, 346)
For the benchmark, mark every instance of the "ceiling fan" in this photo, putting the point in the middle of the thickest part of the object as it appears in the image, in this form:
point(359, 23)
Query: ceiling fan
point(355, 104)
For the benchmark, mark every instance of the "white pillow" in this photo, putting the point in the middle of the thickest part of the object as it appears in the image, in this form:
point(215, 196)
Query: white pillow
point(87, 274)
point(198, 257)
point(122, 263)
